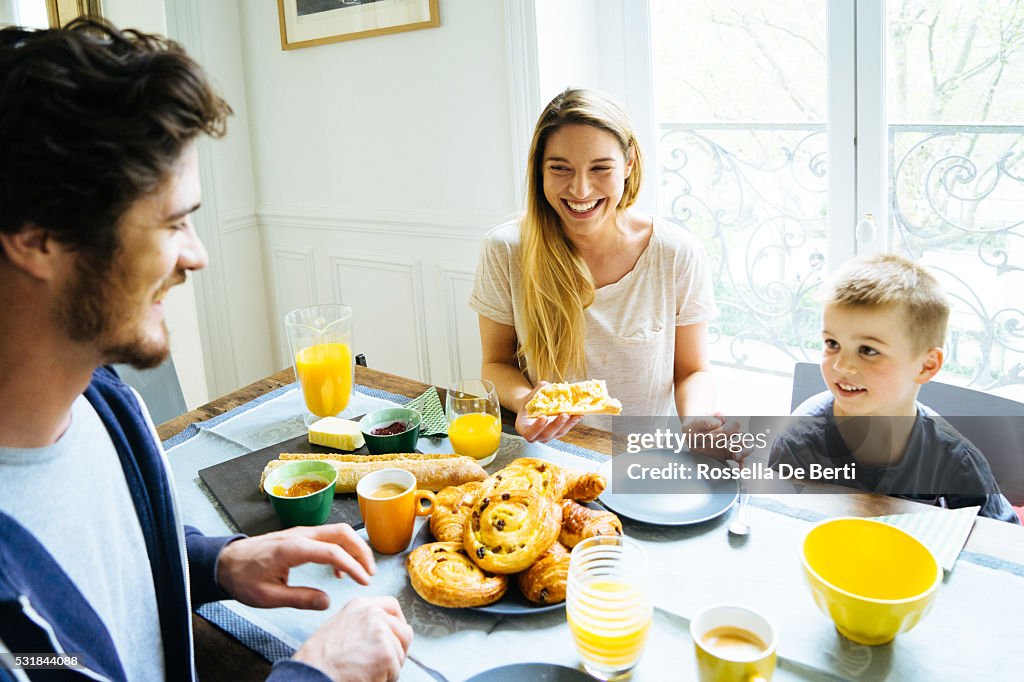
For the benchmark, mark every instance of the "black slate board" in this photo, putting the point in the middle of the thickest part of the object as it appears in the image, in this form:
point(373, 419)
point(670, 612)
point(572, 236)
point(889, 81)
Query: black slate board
point(235, 483)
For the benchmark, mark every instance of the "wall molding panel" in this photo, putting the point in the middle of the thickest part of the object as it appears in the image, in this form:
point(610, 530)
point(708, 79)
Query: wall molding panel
point(293, 278)
point(387, 294)
point(454, 305)
point(404, 223)
point(236, 222)
point(523, 83)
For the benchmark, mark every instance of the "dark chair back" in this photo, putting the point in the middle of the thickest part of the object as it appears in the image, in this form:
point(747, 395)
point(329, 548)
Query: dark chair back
point(159, 388)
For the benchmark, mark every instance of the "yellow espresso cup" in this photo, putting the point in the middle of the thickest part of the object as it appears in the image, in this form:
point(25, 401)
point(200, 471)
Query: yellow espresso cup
point(733, 644)
point(874, 580)
point(389, 503)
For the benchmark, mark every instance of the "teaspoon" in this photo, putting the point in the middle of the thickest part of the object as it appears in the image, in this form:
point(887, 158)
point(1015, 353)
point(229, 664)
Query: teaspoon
point(739, 525)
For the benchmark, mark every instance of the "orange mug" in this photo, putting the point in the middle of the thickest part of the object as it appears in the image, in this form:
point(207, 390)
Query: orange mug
point(389, 503)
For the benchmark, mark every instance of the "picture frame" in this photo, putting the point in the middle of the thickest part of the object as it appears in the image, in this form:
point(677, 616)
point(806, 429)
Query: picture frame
point(305, 23)
point(61, 12)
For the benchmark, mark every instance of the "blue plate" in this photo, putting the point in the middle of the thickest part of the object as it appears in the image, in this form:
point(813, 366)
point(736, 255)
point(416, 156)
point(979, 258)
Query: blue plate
point(512, 603)
point(702, 500)
point(534, 672)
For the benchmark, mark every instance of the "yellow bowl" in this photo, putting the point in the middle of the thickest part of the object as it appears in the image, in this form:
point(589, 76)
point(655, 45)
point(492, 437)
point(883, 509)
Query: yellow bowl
point(874, 580)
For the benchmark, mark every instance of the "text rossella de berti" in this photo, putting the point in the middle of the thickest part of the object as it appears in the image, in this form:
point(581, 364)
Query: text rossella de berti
point(737, 444)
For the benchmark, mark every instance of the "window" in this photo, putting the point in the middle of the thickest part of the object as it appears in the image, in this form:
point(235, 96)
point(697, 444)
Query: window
point(757, 105)
point(955, 145)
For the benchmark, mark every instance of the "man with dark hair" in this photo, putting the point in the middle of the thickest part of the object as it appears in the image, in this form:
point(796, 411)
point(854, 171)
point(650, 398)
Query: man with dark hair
point(98, 182)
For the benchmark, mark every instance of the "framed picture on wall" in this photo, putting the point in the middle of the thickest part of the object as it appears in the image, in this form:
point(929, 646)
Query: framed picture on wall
point(305, 23)
point(61, 12)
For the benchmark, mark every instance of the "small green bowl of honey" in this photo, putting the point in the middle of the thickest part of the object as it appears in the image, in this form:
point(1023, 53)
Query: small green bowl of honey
point(302, 492)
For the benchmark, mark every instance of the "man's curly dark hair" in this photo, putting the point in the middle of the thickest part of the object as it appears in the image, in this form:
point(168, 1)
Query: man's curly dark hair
point(91, 119)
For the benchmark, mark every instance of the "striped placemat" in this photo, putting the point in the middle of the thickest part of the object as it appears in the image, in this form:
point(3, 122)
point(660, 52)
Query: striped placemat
point(943, 531)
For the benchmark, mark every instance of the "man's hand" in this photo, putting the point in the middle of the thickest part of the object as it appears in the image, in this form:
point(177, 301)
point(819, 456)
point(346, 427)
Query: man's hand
point(255, 570)
point(364, 642)
point(543, 429)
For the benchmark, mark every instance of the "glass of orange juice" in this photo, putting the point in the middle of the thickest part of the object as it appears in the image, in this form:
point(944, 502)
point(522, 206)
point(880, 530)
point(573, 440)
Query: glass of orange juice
point(474, 419)
point(320, 338)
point(607, 604)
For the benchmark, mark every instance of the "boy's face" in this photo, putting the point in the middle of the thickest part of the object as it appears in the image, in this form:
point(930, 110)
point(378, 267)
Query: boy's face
point(119, 308)
point(870, 363)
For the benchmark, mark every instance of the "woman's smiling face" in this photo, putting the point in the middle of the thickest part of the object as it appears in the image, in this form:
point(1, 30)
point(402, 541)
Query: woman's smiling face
point(585, 173)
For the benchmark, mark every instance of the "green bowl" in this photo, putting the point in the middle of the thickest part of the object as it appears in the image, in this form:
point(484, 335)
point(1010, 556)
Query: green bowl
point(399, 442)
point(308, 510)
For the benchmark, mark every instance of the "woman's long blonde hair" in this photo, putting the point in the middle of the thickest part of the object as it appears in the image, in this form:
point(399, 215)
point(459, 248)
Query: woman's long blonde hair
point(557, 285)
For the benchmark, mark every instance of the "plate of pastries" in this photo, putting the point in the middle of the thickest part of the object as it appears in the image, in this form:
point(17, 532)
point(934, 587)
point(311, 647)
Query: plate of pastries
point(502, 545)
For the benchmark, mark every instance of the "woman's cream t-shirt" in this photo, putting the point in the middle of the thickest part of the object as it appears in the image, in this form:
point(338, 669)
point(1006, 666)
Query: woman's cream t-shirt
point(629, 336)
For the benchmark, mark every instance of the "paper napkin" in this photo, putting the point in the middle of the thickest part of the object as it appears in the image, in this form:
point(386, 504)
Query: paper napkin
point(429, 405)
point(944, 532)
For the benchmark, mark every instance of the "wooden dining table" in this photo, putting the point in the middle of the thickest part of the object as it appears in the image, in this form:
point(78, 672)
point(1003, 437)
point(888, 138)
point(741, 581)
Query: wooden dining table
point(220, 657)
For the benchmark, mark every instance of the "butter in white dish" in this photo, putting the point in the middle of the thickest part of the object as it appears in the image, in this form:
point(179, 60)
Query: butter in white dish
point(342, 434)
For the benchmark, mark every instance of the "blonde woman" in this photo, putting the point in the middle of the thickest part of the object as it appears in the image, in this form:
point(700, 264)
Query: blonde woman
point(584, 287)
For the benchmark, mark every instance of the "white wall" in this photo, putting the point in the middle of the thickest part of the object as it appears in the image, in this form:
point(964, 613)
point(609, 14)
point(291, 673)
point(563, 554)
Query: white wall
point(146, 15)
point(231, 291)
point(182, 316)
point(379, 164)
point(601, 44)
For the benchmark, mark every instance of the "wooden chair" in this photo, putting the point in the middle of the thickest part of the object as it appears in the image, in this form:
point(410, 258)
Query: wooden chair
point(970, 412)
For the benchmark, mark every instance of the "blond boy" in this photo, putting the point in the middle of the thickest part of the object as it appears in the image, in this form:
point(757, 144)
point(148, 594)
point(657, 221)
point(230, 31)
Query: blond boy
point(884, 324)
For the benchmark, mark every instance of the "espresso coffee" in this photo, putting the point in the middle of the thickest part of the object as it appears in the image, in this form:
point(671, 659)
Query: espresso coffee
point(387, 490)
point(733, 643)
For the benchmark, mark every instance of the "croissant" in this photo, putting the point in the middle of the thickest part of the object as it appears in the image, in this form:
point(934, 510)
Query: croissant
point(441, 573)
point(528, 473)
point(508, 531)
point(452, 506)
point(580, 523)
point(544, 582)
point(583, 487)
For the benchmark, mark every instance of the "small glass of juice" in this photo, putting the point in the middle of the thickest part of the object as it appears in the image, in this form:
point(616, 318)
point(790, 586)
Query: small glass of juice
point(607, 604)
point(474, 419)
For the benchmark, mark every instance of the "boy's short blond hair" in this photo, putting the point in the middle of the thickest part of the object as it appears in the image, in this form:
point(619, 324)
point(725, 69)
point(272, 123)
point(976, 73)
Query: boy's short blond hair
point(889, 279)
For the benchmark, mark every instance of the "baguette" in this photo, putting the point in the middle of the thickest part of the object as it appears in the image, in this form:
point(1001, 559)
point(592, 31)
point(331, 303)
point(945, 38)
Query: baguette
point(289, 456)
point(432, 472)
point(583, 398)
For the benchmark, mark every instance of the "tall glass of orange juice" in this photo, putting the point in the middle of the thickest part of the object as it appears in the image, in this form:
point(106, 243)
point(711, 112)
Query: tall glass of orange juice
point(474, 419)
point(607, 604)
point(320, 338)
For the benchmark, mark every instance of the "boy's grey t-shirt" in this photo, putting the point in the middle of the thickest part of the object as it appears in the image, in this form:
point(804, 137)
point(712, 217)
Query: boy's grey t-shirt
point(937, 463)
point(73, 497)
